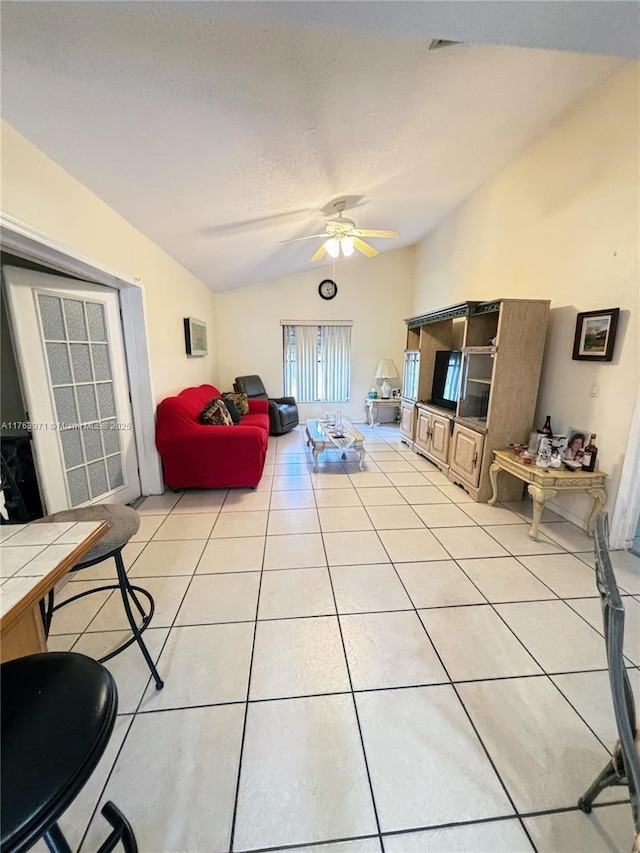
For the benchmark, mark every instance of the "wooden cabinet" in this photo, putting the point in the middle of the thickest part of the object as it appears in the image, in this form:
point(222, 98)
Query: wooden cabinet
point(494, 392)
point(432, 434)
point(440, 432)
point(407, 419)
point(423, 430)
point(465, 458)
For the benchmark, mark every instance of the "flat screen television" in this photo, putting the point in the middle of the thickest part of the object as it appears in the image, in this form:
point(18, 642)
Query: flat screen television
point(446, 378)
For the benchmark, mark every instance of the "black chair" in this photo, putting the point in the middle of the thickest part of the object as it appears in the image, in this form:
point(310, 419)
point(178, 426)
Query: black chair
point(58, 712)
point(123, 523)
point(624, 766)
point(283, 411)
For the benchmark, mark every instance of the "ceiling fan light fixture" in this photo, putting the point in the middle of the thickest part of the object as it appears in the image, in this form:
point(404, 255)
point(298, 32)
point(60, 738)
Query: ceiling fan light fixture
point(333, 247)
point(347, 246)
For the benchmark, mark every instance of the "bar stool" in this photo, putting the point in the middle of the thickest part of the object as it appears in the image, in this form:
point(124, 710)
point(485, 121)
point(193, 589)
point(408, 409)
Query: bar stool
point(58, 712)
point(124, 522)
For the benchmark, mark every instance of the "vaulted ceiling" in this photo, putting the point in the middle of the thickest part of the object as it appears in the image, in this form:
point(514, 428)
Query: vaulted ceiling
point(219, 129)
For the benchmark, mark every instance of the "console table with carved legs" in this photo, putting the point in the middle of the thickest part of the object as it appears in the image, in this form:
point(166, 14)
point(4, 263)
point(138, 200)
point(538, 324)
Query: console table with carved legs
point(546, 483)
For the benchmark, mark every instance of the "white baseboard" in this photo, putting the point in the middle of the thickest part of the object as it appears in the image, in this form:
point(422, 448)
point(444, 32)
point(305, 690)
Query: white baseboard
point(562, 511)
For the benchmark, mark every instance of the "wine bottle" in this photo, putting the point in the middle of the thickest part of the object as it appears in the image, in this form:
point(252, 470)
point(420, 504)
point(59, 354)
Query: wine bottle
point(590, 454)
point(546, 429)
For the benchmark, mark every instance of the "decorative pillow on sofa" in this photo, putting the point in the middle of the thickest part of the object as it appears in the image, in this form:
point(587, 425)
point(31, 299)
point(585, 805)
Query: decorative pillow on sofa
point(241, 401)
point(233, 410)
point(215, 413)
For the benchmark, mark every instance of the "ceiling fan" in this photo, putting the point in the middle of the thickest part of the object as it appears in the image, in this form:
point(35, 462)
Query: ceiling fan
point(341, 235)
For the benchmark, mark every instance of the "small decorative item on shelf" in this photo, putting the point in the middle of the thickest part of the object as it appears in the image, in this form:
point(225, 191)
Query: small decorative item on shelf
point(576, 442)
point(534, 442)
point(546, 429)
point(543, 459)
point(590, 454)
point(558, 450)
point(373, 394)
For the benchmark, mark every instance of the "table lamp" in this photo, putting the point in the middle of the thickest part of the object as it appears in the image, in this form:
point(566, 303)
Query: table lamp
point(384, 371)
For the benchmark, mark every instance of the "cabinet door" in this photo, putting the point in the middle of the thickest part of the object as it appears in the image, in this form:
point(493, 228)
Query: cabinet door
point(407, 419)
point(423, 429)
point(440, 432)
point(466, 453)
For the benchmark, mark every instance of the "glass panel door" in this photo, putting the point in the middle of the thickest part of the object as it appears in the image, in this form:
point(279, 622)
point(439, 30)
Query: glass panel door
point(79, 361)
point(72, 367)
point(477, 372)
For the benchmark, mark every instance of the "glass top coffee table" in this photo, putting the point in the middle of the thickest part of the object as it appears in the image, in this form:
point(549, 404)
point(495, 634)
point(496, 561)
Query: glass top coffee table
point(343, 436)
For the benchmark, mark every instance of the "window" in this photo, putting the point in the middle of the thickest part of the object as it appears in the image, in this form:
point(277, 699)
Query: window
point(317, 362)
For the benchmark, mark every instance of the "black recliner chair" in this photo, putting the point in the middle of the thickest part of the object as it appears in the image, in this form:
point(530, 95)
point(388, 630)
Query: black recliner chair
point(283, 411)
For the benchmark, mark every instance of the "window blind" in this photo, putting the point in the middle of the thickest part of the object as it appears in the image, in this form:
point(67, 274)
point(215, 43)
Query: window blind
point(317, 362)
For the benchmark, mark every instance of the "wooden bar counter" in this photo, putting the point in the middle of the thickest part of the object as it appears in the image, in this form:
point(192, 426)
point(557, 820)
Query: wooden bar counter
point(33, 558)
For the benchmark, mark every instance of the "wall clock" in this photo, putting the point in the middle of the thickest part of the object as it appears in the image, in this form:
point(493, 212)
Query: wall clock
point(327, 288)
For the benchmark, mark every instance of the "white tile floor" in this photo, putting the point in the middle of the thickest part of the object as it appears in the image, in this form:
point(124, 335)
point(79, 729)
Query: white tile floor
point(354, 662)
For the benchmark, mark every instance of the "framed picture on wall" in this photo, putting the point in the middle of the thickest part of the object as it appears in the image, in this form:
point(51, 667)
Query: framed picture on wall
point(195, 336)
point(595, 335)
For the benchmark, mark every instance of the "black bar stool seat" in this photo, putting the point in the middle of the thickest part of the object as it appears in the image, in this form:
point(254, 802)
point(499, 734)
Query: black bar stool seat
point(58, 711)
point(123, 523)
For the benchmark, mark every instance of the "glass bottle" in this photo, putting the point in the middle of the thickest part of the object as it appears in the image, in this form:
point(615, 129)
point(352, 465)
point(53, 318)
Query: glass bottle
point(589, 455)
point(546, 429)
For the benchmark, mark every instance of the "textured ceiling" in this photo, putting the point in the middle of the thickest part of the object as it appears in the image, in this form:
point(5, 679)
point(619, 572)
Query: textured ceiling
point(220, 129)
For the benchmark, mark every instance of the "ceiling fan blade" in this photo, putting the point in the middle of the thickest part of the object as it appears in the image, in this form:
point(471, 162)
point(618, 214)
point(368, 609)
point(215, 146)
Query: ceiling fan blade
point(320, 253)
point(310, 237)
point(368, 233)
point(365, 248)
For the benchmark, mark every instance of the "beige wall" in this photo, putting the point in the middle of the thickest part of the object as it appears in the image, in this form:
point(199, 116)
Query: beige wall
point(560, 223)
point(376, 294)
point(40, 194)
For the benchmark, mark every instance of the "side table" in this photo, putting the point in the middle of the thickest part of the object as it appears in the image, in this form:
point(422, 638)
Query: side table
point(545, 483)
point(372, 406)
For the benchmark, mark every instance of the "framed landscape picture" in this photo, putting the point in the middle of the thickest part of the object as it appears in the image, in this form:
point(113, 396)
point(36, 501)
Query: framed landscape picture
point(595, 335)
point(195, 336)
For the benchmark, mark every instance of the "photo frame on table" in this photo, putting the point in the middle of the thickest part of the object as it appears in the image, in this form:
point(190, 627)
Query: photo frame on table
point(595, 335)
point(577, 440)
point(195, 336)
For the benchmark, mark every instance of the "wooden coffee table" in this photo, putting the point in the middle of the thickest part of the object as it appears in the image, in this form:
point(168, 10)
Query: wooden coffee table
point(322, 437)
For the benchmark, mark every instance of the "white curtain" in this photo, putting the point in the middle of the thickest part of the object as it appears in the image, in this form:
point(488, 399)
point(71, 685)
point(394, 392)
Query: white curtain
point(317, 361)
point(335, 363)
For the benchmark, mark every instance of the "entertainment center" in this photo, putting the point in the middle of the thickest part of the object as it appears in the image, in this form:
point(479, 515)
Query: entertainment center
point(471, 383)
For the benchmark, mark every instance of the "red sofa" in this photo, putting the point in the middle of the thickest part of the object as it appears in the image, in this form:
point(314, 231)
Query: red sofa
point(199, 456)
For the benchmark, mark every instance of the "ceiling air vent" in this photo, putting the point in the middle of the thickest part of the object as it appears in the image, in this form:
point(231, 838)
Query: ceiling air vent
point(438, 43)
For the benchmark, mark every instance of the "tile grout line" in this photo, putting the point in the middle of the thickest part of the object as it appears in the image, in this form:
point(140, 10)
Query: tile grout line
point(538, 663)
point(358, 691)
point(435, 827)
point(468, 715)
point(355, 707)
point(137, 709)
point(246, 703)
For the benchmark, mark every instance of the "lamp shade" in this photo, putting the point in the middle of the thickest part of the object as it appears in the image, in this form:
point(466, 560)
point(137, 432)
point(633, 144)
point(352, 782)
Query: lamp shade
point(386, 369)
point(347, 246)
point(333, 247)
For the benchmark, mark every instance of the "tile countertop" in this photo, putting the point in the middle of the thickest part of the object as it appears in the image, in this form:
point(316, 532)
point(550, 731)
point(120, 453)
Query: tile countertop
point(28, 552)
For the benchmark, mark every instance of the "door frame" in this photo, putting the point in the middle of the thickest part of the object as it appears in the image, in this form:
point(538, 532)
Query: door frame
point(624, 519)
point(22, 240)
